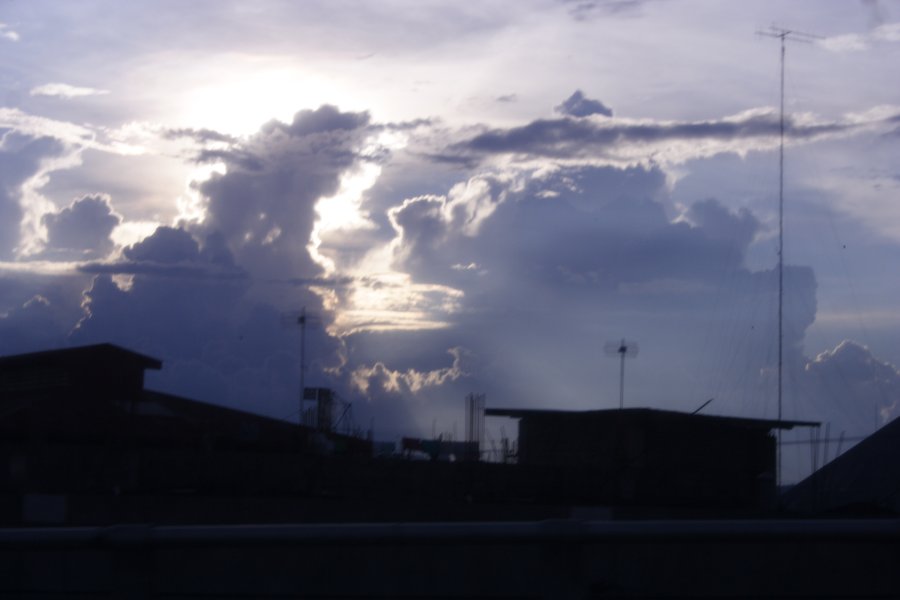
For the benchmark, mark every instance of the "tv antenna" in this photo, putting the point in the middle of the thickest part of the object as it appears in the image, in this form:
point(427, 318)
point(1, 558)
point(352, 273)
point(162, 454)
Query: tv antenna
point(807, 38)
point(622, 349)
point(302, 319)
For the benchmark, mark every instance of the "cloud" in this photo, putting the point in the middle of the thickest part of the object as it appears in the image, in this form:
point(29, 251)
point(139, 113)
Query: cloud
point(172, 252)
point(577, 105)
point(263, 206)
point(32, 327)
point(858, 42)
point(719, 223)
point(521, 270)
point(71, 134)
point(82, 229)
point(861, 387)
point(24, 161)
point(208, 297)
point(562, 248)
point(38, 307)
point(630, 141)
point(7, 33)
point(379, 378)
point(64, 90)
point(583, 10)
point(199, 135)
point(167, 245)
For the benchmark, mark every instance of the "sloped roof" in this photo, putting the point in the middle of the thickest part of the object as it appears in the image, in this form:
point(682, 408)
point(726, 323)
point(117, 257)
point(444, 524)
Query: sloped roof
point(866, 477)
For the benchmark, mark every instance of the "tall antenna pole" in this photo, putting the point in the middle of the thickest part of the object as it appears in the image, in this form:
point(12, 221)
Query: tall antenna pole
point(780, 265)
point(301, 320)
point(622, 349)
point(783, 35)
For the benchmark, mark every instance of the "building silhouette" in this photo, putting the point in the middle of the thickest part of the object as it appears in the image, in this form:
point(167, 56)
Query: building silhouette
point(112, 490)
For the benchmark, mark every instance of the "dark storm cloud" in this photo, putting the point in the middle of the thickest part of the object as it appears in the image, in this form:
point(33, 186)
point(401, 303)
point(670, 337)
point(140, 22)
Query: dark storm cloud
point(577, 105)
point(235, 157)
point(31, 327)
point(199, 135)
point(719, 223)
point(599, 224)
point(21, 157)
point(209, 298)
point(37, 311)
point(575, 138)
point(562, 262)
point(171, 252)
point(82, 229)
point(328, 282)
point(167, 245)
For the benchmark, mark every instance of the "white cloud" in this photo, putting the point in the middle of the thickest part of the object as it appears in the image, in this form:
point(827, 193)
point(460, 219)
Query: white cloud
point(848, 42)
point(7, 33)
point(408, 381)
point(857, 42)
point(64, 131)
point(64, 90)
point(858, 382)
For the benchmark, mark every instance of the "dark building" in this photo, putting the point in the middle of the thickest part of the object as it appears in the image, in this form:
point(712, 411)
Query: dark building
point(649, 457)
point(77, 426)
point(84, 391)
point(165, 496)
point(77, 422)
point(865, 480)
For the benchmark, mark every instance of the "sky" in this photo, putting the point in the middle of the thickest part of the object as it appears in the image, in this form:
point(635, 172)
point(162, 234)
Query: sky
point(464, 197)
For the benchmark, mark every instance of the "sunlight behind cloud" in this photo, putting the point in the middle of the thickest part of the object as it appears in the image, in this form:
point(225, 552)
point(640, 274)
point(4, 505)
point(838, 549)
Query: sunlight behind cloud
point(191, 204)
point(129, 233)
point(245, 98)
point(392, 301)
point(342, 211)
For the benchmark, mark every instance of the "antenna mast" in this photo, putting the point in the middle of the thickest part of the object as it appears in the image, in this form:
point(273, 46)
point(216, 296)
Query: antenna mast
point(797, 36)
point(621, 349)
point(301, 320)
